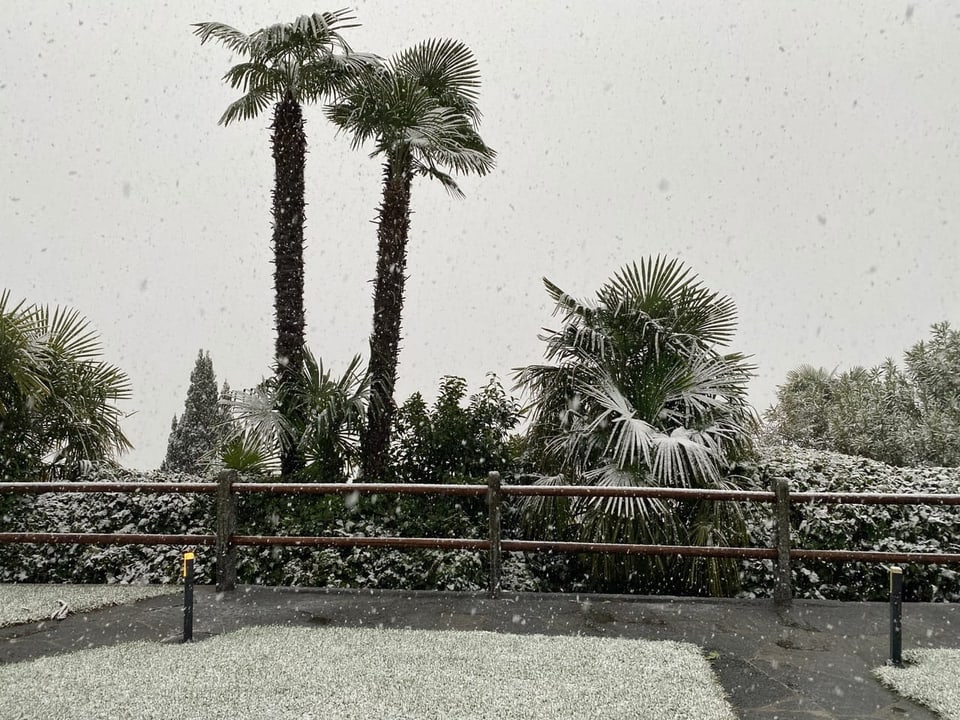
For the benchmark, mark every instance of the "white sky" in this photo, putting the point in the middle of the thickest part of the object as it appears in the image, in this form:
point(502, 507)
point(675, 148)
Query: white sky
point(804, 160)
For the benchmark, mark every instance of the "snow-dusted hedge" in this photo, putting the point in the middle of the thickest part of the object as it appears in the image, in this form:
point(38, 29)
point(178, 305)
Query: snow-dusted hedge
point(889, 528)
point(168, 513)
point(181, 514)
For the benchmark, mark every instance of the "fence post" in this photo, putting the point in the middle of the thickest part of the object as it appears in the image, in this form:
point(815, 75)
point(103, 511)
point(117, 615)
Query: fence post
point(226, 529)
point(494, 498)
point(783, 590)
point(188, 559)
point(896, 616)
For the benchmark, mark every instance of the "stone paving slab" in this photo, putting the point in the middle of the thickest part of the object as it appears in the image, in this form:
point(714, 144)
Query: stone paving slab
point(812, 661)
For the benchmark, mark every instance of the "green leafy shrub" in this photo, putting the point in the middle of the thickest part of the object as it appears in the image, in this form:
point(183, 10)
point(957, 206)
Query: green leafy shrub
point(886, 528)
point(167, 513)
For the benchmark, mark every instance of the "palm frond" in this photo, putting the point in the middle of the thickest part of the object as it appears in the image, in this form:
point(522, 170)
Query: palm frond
point(66, 333)
point(249, 106)
point(447, 70)
point(231, 38)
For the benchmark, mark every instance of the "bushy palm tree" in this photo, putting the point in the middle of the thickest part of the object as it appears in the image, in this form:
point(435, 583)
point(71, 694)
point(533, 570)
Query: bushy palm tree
point(323, 427)
point(636, 393)
point(287, 65)
point(56, 395)
point(420, 111)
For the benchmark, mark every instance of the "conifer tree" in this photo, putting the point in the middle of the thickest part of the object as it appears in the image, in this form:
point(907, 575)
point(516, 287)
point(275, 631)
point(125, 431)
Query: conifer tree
point(196, 435)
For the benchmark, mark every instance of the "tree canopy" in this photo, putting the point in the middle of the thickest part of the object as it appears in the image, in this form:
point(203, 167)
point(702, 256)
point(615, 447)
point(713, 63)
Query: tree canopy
point(195, 437)
point(906, 417)
point(57, 397)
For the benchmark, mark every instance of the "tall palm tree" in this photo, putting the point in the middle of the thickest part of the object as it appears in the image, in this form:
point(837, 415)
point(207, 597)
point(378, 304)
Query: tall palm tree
point(287, 65)
point(420, 110)
point(638, 394)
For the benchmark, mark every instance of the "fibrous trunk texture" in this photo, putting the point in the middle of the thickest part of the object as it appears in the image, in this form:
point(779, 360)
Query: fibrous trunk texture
point(393, 226)
point(289, 154)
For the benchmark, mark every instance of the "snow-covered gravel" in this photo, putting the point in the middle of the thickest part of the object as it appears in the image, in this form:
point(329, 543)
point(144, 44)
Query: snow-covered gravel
point(930, 678)
point(369, 674)
point(29, 603)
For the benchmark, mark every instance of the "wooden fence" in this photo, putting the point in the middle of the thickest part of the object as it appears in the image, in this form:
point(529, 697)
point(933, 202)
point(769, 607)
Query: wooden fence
point(226, 540)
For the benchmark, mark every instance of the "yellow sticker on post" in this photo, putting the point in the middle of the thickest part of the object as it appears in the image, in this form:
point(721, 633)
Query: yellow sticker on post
point(187, 556)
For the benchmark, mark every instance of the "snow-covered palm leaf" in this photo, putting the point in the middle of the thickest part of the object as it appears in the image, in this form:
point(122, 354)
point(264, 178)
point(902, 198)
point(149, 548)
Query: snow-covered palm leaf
point(703, 383)
point(255, 75)
point(246, 452)
point(320, 30)
point(571, 307)
point(231, 38)
point(643, 510)
point(66, 334)
point(447, 70)
point(249, 106)
point(629, 439)
point(667, 291)
point(255, 415)
point(678, 460)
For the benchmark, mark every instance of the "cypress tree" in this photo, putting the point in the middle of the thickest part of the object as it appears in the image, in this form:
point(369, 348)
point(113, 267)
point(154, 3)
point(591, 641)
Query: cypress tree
point(195, 437)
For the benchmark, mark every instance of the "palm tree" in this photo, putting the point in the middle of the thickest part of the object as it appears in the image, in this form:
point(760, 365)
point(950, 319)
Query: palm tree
point(637, 394)
point(420, 110)
point(287, 65)
point(324, 429)
point(56, 395)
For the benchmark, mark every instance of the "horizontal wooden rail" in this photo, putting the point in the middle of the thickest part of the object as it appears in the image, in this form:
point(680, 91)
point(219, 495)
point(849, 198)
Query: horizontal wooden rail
point(360, 541)
point(629, 491)
point(106, 539)
point(37, 488)
point(628, 549)
point(362, 488)
point(845, 498)
point(875, 556)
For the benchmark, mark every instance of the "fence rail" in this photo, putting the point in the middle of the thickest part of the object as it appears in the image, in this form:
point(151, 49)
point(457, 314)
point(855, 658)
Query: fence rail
point(226, 540)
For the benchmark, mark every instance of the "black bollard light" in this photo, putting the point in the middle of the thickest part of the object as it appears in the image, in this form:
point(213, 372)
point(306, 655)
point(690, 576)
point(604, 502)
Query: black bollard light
point(188, 558)
point(896, 617)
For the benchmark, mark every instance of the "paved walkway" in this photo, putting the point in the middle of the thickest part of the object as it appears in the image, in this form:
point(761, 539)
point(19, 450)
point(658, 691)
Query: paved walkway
point(813, 661)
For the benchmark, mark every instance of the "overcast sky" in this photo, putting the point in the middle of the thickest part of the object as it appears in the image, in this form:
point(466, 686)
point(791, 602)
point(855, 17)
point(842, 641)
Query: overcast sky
point(802, 158)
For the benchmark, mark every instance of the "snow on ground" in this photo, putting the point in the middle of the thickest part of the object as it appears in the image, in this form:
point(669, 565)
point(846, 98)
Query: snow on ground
point(29, 603)
point(369, 674)
point(930, 678)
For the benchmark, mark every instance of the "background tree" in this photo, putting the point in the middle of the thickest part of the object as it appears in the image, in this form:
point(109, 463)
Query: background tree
point(287, 65)
point(900, 417)
point(454, 440)
point(420, 111)
point(194, 438)
point(57, 410)
point(637, 394)
point(933, 368)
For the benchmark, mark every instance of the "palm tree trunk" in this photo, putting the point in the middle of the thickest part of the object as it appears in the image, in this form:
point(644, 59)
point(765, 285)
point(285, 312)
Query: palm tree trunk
point(289, 151)
point(392, 229)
